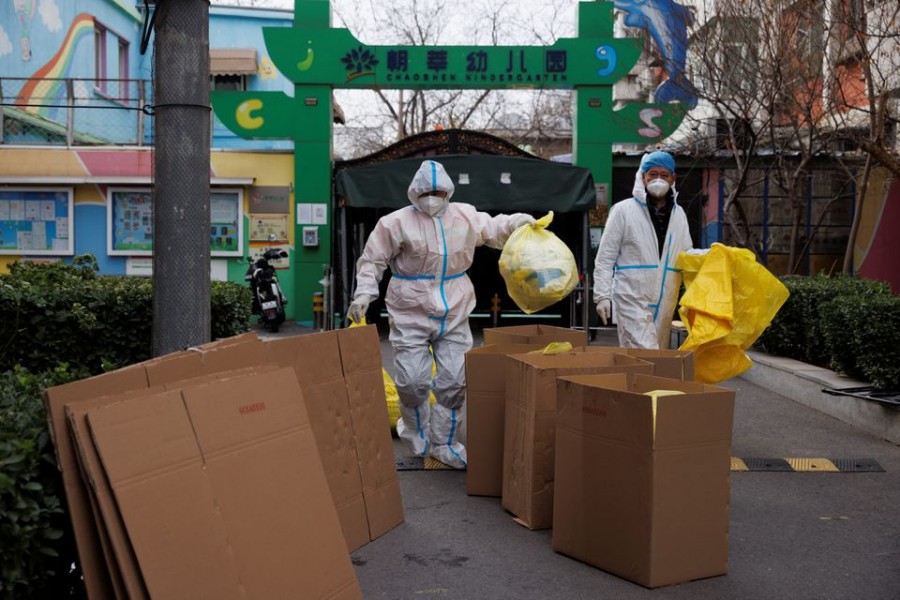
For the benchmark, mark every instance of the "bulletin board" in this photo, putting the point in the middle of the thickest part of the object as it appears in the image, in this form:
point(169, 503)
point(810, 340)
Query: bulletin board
point(36, 222)
point(130, 222)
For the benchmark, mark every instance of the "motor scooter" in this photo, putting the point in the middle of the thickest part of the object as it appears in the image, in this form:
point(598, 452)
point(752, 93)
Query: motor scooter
point(268, 299)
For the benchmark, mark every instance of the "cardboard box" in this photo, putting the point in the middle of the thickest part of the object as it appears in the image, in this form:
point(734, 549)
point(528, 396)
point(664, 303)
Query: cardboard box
point(222, 491)
point(486, 412)
point(530, 425)
point(674, 364)
point(534, 334)
point(640, 494)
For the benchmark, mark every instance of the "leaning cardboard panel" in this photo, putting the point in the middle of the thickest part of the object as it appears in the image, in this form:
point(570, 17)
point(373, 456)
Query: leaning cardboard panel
point(640, 493)
point(361, 363)
point(120, 559)
point(97, 577)
point(485, 415)
point(316, 360)
point(534, 334)
point(222, 491)
point(530, 425)
point(674, 364)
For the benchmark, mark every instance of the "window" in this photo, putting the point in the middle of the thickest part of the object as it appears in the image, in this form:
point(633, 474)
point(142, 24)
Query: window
point(123, 71)
point(100, 57)
point(36, 222)
point(231, 83)
point(110, 62)
point(130, 222)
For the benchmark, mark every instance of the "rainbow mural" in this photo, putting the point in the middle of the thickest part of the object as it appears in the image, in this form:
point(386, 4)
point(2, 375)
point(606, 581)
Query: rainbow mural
point(47, 83)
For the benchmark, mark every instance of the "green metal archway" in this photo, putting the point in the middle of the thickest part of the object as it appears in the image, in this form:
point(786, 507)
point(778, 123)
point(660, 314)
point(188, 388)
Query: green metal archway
point(319, 59)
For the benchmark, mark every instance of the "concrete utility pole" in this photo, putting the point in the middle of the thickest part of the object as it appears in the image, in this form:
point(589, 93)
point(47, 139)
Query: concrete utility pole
point(181, 219)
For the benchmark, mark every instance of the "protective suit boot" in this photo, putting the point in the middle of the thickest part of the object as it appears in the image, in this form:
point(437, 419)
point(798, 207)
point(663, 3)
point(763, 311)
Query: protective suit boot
point(445, 444)
point(412, 428)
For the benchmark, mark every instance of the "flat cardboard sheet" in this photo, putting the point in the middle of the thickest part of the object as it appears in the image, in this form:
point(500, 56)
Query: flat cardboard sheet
point(222, 491)
point(346, 412)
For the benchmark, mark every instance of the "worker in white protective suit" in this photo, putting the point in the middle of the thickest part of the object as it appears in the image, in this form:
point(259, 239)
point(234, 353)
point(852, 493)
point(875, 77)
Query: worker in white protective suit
point(634, 270)
point(429, 246)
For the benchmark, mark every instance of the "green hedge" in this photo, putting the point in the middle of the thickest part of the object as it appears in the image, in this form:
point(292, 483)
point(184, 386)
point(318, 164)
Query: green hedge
point(65, 322)
point(37, 549)
point(67, 313)
point(847, 324)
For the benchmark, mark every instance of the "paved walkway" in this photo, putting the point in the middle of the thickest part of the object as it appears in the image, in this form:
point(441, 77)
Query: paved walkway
point(793, 535)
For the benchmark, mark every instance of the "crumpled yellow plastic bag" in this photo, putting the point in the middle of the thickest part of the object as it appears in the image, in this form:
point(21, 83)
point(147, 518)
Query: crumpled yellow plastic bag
point(390, 389)
point(728, 302)
point(538, 268)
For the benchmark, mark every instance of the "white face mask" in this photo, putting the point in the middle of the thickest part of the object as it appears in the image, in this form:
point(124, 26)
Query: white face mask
point(658, 188)
point(431, 205)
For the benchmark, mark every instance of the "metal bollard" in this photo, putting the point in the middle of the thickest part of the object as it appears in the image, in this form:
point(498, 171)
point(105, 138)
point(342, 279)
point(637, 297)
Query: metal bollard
point(495, 310)
point(319, 310)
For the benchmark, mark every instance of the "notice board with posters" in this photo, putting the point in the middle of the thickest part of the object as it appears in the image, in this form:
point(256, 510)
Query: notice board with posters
point(130, 222)
point(36, 222)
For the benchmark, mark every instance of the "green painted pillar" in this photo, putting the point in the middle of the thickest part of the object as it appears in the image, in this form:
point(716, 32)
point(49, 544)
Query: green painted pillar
point(312, 194)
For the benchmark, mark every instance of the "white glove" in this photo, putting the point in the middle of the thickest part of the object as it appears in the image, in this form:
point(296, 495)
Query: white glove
point(604, 309)
point(358, 308)
point(520, 219)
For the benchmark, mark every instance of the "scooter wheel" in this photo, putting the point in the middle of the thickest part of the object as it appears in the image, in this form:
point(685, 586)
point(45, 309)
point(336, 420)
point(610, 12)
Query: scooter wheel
point(273, 327)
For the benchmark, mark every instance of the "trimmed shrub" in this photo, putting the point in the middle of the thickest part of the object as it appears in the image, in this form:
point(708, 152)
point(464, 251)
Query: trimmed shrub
point(875, 327)
point(37, 550)
point(66, 313)
point(822, 323)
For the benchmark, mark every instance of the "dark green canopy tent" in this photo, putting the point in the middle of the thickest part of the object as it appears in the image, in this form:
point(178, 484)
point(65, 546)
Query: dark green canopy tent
point(490, 183)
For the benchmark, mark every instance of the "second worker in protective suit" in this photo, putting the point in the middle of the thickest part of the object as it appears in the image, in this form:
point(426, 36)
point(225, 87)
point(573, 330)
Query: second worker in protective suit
point(634, 270)
point(429, 245)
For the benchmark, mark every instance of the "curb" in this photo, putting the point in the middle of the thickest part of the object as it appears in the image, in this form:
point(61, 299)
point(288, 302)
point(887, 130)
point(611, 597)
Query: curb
point(803, 383)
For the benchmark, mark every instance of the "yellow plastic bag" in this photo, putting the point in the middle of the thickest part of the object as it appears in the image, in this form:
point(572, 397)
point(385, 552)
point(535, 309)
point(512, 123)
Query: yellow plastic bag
point(390, 389)
point(538, 268)
point(728, 302)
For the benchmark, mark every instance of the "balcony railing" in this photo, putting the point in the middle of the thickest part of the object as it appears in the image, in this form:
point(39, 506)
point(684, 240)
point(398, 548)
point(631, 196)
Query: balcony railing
point(74, 111)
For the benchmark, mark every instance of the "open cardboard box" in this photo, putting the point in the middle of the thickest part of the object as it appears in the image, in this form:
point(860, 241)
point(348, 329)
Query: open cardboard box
point(675, 364)
point(486, 413)
point(642, 484)
point(530, 425)
point(534, 334)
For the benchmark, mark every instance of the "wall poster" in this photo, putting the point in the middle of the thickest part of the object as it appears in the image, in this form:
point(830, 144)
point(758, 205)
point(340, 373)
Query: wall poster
point(36, 222)
point(130, 225)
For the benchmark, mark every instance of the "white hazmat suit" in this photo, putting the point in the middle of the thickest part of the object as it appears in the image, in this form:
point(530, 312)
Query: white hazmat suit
point(646, 285)
point(429, 246)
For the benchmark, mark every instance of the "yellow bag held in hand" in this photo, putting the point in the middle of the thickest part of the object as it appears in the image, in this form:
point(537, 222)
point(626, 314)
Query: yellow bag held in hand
point(538, 268)
point(728, 302)
point(390, 389)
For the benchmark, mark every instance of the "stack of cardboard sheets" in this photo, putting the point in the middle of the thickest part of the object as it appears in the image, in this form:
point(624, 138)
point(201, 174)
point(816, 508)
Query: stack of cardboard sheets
point(239, 469)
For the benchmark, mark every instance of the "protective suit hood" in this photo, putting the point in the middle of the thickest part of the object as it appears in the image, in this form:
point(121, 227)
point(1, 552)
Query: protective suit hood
point(431, 177)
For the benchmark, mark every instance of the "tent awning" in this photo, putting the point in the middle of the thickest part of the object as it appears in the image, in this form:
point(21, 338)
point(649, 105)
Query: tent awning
point(490, 183)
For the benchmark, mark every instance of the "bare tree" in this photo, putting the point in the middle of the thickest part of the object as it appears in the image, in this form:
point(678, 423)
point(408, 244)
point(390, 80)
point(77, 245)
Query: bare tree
point(766, 81)
point(400, 113)
point(864, 85)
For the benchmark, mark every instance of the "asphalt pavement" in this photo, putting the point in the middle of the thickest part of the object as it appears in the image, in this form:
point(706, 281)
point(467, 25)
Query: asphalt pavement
point(793, 535)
